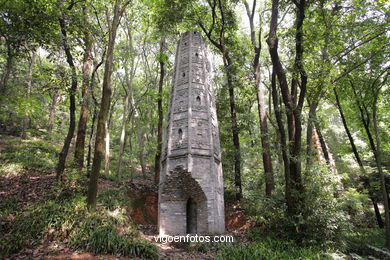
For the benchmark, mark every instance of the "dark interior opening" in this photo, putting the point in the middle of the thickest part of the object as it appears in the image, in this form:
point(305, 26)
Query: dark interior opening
point(198, 100)
point(191, 216)
point(180, 132)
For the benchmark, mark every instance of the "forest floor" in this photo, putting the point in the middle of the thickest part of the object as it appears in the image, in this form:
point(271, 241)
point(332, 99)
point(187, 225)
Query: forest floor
point(32, 228)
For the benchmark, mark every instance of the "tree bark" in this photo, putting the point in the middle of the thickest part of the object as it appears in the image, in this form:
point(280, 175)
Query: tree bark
point(357, 158)
point(160, 113)
point(292, 101)
point(72, 106)
point(26, 118)
point(105, 106)
point(90, 141)
point(7, 69)
point(309, 133)
point(129, 75)
point(82, 125)
point(283, 141)
point(235, 131)
point(266, 153)
point(324, 148)
point(107, 151)
point(378, 160)
point(53, 108)
point(220, 44)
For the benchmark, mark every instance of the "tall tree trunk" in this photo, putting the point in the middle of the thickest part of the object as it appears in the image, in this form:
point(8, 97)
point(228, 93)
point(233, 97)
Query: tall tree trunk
point(122, 139)
point(107, 154)
point(324, 148)
point(82, 126)
point(105, 105)
point(347, 131)
point(129, 75)
point(220, 44)
point(72, 106)
point(26, 117)
point(53, 108)
point(357, 158)
point(378, 160)
point(90, 141)
point(292, 101)
point(160, 113)
point(283, 140)
point(235, 130)
point(141, 143)
point(309, 133)
point(7, 69)
point(266, 153)
point(107, 151)
point(95, 113)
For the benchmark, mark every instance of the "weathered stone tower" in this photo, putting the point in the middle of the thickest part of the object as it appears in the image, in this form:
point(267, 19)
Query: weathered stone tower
point(191, 184)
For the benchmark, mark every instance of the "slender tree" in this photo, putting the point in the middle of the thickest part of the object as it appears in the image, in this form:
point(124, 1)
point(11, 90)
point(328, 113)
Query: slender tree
point(293, 102)
point(105, 102)
point(261, 104)
point(72, 97)
point(86, 71)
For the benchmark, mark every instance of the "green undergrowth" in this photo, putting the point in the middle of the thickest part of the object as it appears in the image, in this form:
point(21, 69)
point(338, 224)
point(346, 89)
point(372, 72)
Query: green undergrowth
point(359, 239)
point(104, 231)
point(271, 249)
point(31, 154)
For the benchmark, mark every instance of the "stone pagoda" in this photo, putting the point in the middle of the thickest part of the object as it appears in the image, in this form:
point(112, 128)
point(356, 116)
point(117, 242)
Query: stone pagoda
point(191, 183)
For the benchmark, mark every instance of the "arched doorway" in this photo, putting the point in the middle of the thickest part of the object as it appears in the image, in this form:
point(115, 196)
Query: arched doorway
point(191, 215)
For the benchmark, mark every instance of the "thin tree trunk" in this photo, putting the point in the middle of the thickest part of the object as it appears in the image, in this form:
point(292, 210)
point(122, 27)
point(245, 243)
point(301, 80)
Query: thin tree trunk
point(141, 143)
point(292, 101)
point(347, 131)
point(90, 141)
point(26, 117)
point(309, 133)
point(357, 158)
point(266, 153)
point(324, 148)
point(229, 69)
point(107, 154)
point(283, 141)
point(107, 151)
point(105, 106)
point(160, 113)
point(53, 108)
point(378, 160)
point(82, 126)
point(123, 134)
point(235, 132)
point(7, 70)
point(72, 106)
point(94, 115)
point(129, 89)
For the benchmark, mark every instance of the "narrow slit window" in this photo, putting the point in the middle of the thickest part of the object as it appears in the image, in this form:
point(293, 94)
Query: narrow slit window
point(184, 74)
point(198, 100)
point(180, 132)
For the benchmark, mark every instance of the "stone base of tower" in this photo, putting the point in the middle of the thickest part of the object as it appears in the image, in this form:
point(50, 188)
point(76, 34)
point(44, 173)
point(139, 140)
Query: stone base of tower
point(184, 208)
